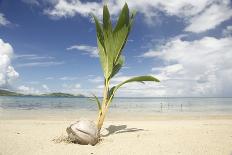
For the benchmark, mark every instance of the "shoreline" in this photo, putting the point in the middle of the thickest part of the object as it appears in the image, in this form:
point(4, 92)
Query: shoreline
point(64, 115)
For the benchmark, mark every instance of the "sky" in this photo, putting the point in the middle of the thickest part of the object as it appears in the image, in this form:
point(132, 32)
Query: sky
point(50, 46)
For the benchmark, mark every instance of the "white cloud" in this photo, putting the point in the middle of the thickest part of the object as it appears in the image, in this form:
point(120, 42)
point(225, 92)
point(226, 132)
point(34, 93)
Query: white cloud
point(77, 86)
point(28, 90)
point(210, 18)
point(32, 57)
point(33, 60)
point(196, 68)
point(151, 53)
point(45, 87)
point(40, 64)
point(3, 20)
point(33, 82)
point(89, 50)
point(96, 79)
point(32, 90)
point(228, 31)
point(31, 2)
point(135, 89)
point(49, 78)
point(64, 8)
point(200, 15)
point(68, 78)
point(7, 72)
point(74, 88)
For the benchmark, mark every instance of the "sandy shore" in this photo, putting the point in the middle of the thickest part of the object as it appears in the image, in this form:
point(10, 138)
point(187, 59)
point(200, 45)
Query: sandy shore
point(168, 135)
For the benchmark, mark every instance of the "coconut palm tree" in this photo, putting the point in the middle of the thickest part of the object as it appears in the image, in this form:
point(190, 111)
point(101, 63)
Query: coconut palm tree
point(111, 42)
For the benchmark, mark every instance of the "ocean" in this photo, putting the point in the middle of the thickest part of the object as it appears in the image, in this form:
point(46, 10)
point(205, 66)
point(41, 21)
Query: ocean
point(61, 105)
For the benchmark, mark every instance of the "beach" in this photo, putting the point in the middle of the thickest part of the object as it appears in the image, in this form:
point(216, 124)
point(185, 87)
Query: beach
point(157, 134)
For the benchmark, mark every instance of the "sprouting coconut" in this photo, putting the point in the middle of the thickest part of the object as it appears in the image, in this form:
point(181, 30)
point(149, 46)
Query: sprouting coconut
point(111, 42)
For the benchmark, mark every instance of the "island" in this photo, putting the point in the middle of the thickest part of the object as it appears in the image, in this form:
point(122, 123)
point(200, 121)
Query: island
point(55, 94)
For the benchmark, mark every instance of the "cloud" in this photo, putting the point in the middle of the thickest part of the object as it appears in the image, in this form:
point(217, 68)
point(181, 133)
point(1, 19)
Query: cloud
point(40, 64)
point(96, 79)
point(135, 89)
point(89, 50)
point(28, 90)
point(74, 88)
point(210, 18)
point(199, 15)
point(45, 87)
point(63, 8)
point(7, 72)
point(3, 20)
point(195, 68)
point(49, 78)
point(33, 60)
point(228, 31)
point(32, 57)
point(68, 78)
point(32, 90)
point(31, 2)
point(77, 86)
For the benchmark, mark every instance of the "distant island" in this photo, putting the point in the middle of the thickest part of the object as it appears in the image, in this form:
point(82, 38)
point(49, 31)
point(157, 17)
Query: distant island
point(62, 95)
point(56, 94)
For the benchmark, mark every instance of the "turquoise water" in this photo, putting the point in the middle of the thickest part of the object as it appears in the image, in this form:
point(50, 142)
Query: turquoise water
point(150, 105)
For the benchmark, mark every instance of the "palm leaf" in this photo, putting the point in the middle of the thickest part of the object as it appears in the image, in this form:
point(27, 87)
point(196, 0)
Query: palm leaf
point(121, 31)
point(101, 48)
point(98, 102)
point(108, 42)
point(134, 79)
point(118, 66)
point(131, 22)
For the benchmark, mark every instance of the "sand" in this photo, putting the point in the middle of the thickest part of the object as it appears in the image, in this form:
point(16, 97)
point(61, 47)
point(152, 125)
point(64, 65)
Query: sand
point(162, 135)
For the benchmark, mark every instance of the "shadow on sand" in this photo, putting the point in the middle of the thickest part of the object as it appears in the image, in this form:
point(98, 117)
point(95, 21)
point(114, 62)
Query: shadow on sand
point(115, 129)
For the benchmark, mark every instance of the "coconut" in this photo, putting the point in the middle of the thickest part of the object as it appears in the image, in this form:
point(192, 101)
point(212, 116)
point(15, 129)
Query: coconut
point(83, 132)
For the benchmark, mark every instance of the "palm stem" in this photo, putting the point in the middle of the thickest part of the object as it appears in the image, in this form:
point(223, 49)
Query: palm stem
point(102, 113)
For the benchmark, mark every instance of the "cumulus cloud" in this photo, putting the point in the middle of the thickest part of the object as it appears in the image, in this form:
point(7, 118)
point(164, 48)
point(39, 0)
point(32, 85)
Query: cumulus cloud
point(74, 88)
point(135, 89)
point(89, 50)
point(195, 68)
point(45, 87)
point(7, 72)
point(199, 15)
point(3, 20)
point(28, 90)
point(64, 8)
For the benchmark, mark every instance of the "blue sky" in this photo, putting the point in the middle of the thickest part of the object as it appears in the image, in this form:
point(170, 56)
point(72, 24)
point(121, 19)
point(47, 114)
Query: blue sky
point(48, 46)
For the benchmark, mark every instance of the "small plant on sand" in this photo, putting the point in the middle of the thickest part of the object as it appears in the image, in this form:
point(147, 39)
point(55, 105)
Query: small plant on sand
point(111, 42)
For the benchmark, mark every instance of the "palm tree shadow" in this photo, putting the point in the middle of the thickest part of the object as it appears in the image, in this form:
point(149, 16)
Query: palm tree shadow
point(116, 129)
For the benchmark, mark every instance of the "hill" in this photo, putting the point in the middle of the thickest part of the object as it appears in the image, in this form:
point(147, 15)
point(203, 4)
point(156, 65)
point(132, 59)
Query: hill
point(59, 94)
point(9, 93)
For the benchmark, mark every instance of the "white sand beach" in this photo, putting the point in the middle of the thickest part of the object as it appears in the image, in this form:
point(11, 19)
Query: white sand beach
point(185, 135)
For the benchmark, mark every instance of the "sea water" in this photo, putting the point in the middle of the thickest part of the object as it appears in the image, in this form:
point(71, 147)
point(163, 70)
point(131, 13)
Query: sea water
point(130, 105)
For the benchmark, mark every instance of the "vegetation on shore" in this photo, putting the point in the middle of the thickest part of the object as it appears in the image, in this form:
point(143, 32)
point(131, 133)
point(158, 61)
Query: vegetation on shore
point(56, 94)
point(9, 93)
